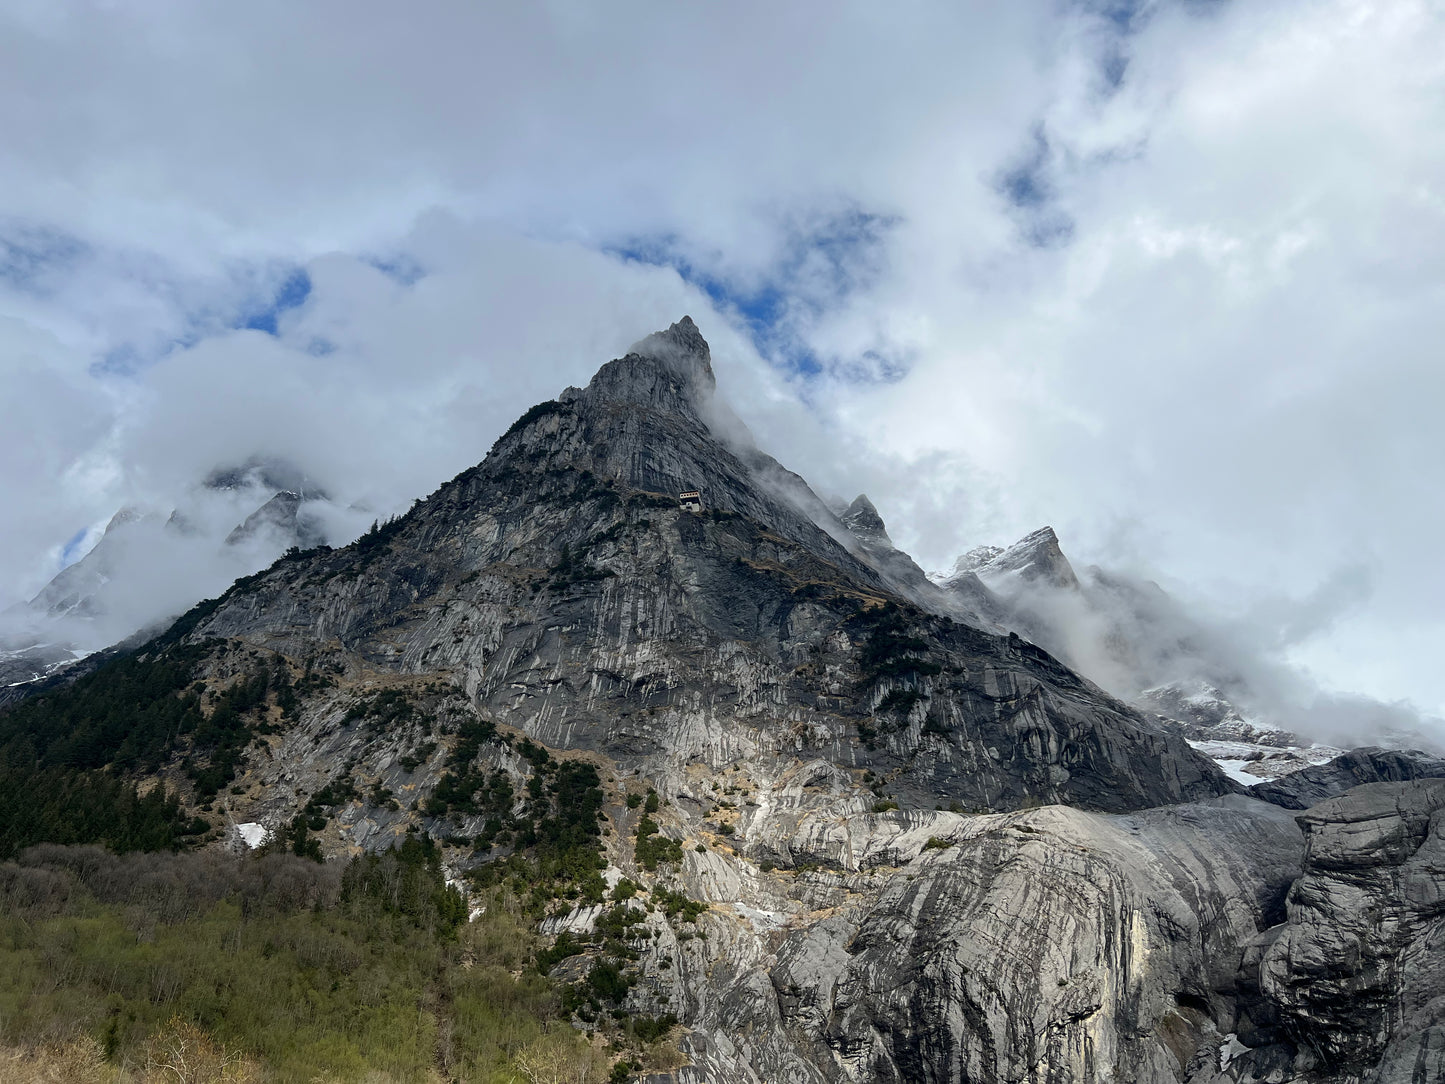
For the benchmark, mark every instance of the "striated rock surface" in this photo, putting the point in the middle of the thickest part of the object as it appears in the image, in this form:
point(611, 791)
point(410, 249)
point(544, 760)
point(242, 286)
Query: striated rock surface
point(1357, 973)
point(1046, 946)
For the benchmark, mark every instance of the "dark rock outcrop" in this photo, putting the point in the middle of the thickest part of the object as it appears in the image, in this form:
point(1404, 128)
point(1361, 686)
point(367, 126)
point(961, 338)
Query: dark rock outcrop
point(1310, 786)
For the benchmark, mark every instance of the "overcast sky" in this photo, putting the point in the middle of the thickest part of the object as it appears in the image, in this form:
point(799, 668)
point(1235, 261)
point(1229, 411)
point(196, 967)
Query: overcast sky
point(1167, 276)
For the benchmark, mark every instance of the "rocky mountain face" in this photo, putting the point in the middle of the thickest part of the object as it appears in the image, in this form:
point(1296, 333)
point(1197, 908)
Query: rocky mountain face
point(964, 597)
point(560, 585)
point(1354, 980)
point(851, 831)
point(1310, 786)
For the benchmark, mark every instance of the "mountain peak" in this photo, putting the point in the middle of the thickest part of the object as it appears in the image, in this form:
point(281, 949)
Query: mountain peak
point(973, 560)
point(668, 370)
point(1036, 555)
point(863, 520)
point(682, 338)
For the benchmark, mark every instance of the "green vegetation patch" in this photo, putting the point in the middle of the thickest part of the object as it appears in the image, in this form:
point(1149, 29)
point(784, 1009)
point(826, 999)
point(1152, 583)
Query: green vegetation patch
point(69, 758)
point(890, 650)
point(537, 413)
point(555, 841)
point(677, 904)
point(899, 701)
point(652, 847)
point(384, 710)
point(316, 972)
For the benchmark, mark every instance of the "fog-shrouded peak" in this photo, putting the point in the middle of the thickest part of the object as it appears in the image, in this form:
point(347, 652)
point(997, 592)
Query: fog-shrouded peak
point(264, 472)
point(285, 519)
point(150, 564)
point(668, 370)
point(1036, 556)
point(863, 520)
point(73, 590)
point(971, 561)
point(681, 339)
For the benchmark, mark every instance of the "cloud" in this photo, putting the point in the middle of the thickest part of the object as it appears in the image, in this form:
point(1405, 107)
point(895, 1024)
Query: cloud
point(1230, 365)
point(1165, 275)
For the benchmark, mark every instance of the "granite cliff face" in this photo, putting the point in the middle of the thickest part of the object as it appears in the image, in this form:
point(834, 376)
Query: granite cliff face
point(916, 848)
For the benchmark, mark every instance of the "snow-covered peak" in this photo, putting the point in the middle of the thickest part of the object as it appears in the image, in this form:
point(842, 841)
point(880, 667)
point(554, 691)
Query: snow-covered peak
point(1035, 559)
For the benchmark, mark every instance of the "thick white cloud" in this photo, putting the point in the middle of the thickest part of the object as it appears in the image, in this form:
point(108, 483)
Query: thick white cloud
point(1175, 289)
point(1233, 365)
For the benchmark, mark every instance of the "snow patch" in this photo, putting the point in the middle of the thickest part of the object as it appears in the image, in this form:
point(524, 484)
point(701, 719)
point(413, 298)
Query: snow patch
point(254, 834)
point(761, 919)
point(1250, 763)
point(1230, 1049)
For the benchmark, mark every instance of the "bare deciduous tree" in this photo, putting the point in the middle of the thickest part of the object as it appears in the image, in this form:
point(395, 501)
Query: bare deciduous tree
point(559, 1060)
point(181, 1053)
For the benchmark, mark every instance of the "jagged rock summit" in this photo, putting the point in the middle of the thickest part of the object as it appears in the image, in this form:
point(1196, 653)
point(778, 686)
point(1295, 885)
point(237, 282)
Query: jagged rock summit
point(668, 370)
point(863, 520)
point(1035, 557)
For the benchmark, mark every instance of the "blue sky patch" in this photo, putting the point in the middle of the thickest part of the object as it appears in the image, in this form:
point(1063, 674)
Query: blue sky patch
point(822, 263)
point(291, 294)
point(1029, 190)
point(401, 267)
point(75, 548)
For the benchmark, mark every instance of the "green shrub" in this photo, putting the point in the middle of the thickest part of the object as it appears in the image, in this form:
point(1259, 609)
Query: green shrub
point(890, 650)
point(674, 904)
point(535, 413)
point(900, 701)
point(652, 848)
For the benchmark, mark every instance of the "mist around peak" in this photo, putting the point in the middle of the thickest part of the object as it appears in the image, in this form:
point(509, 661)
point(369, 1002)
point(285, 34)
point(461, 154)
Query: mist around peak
point(151, 564)
point(1169, 656)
